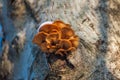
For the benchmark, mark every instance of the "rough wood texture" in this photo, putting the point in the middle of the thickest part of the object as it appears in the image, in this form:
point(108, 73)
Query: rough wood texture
point(96, 22)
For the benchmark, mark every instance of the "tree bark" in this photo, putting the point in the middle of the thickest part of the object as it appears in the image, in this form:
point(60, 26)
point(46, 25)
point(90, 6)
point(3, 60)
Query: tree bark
point(96, 22)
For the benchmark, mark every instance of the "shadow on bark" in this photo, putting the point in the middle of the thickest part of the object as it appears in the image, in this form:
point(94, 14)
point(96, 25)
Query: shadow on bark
point(102, 72)
point(8, 26)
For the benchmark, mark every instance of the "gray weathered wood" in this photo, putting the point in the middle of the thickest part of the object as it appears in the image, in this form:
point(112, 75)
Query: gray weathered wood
point(96, 22)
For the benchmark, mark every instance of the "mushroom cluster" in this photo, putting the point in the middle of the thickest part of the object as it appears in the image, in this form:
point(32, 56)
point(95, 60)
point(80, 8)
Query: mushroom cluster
point(58, 38)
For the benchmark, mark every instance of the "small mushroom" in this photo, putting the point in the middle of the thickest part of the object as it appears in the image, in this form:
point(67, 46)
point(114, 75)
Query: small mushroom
point(52, 37)
point(59, 23)
point(75, 41)
point(44, 47)
point(65, 44)
point(39, 38)
point(48, 28)
point(61, 52)
point(66, 33)
point(47, 22)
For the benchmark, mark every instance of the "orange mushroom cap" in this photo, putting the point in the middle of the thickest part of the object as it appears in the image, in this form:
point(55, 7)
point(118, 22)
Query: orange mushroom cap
point(66, 33)
point(57, 37)
point(61, 52)
point(48, 28)
point(75, 41)
point(39, 38)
